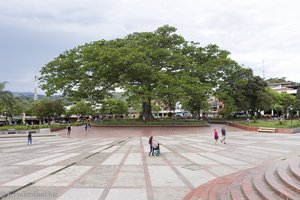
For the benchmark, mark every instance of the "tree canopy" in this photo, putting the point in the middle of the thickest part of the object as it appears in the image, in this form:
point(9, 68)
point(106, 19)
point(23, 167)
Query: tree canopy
point(159, 65)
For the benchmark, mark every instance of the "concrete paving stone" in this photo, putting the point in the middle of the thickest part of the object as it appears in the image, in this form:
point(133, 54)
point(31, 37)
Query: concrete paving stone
point(193, 140)
point(123, 149)
point(281, 142)
point(97, 177)
point(261, 157)
point(98, 149)
point(38, 193)
point(198, 147)
point(154, 160)
point(65, 177)
point(132, 194)
point(269, 149)
point(177, 159)
point(221, 170)
point(114, 159)
point(82, 193)
point(57, 159)
point(33, 176)
point(235, 155)
point(260, 151)
point(187, 160)
point(197, 177)
point(170, 193)
point(134, 159)
point(9, 173)
point(40, 159)
point(164, 176)
point(112, 149)
point(25, 147)
point(198, 159)
point(130, 176)
point(222, 159)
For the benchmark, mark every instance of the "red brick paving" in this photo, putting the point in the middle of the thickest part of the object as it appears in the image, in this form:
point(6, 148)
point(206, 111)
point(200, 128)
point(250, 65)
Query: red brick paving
point(140, 131)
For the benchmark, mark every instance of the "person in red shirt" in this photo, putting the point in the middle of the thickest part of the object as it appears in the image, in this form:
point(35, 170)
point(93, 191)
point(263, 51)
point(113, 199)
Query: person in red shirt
point(216, 136)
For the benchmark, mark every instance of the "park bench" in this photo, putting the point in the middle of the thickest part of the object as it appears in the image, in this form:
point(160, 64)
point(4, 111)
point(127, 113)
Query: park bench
point(266, 130)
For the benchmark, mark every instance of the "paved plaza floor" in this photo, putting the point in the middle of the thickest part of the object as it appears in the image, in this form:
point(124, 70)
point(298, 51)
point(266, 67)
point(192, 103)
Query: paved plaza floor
point(102, 164)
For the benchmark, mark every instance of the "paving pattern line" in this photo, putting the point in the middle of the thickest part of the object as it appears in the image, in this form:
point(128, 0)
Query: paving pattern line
point(8, 194)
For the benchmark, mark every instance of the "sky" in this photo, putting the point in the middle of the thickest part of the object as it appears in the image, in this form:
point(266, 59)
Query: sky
point(261, 34)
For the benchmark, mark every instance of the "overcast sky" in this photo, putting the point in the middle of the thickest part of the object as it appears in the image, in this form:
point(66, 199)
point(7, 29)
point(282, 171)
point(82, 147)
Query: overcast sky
point(33, 32)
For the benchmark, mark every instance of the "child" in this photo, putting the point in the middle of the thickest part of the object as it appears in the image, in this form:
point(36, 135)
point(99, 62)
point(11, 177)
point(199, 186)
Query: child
point(216, 136)
point(157, 153)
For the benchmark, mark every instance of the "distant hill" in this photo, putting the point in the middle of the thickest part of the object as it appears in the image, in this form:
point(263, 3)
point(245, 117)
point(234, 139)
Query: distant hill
point(30, 95)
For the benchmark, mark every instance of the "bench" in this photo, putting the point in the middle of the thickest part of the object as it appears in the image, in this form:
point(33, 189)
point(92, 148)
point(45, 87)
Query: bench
point(266, 130)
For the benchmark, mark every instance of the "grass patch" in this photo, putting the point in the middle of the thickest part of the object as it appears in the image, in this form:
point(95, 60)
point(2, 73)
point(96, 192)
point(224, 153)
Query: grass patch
point(151, 122)
point(274, 123)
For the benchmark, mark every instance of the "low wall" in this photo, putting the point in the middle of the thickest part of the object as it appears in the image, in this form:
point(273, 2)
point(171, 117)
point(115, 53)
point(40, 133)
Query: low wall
point(247, 128)
point(253, 128)
point(33, 131)
point(56, 129)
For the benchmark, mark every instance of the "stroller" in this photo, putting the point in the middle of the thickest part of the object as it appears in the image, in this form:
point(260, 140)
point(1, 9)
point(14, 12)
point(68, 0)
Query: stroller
point(157, 150)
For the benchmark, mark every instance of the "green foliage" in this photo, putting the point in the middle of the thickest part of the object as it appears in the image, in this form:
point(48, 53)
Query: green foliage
point(81, 108)
point(159, 65)
point(46, 109)
point(11, 106)
point(151, 122)
point(242, 90)
point(276, 80)
point(114, 107)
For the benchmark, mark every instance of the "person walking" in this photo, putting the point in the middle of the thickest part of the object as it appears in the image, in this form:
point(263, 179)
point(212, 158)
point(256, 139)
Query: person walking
point(224, 134)
point(29, 140)
point(69, 129)
point(216, 136)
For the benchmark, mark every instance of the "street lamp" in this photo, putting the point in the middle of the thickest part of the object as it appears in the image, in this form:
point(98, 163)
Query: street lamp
point(291, 113)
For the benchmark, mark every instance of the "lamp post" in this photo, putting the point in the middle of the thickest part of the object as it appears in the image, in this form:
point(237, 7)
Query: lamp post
point(291, 114)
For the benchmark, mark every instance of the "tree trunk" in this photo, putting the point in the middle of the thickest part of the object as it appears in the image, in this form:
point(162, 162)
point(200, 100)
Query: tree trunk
point(146, 113)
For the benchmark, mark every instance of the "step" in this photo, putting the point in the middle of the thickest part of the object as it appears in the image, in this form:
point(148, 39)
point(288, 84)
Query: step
point(214, 192)
point(247, 188)
point(287, 178)
point(201, 192)
point(235, 189)
point(274, 183)
point(295, 169)
point(224, 193)
point(264, 191)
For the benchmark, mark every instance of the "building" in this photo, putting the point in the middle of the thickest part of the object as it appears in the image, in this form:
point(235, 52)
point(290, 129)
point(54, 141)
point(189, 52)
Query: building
point(288, 87)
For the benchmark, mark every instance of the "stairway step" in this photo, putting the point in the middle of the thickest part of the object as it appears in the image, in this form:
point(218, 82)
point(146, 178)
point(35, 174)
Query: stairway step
point(286, 177)
point(295, 169)
point(248, 189)
point(264, 191)
point(235, 189)
point(274, 183)
point(224, 192)
point(214, 192)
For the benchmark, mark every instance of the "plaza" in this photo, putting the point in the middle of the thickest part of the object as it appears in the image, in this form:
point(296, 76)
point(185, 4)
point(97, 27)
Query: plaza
point(108, 163)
